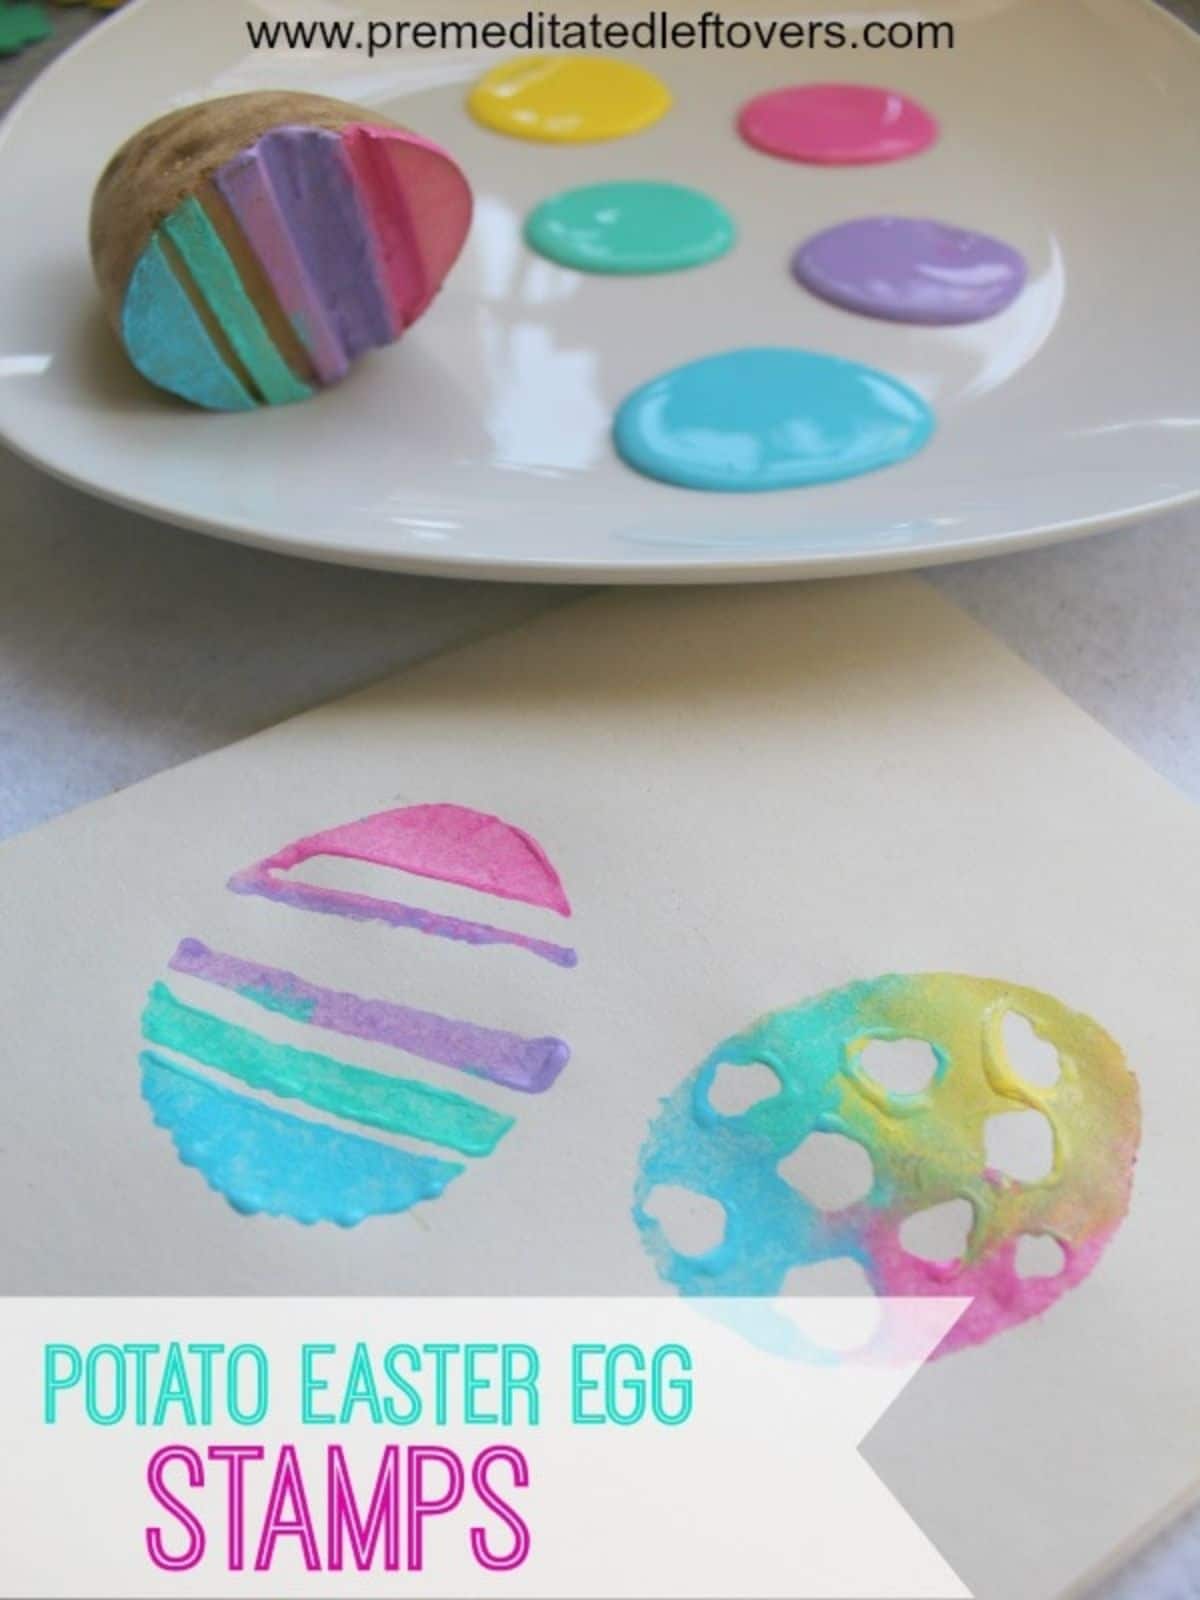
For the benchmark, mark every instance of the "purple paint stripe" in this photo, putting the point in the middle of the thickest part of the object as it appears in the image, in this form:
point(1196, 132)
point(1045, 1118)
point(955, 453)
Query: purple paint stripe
point(245, 185)
point(366, 908)
point(529, 1065)
point(312, 180)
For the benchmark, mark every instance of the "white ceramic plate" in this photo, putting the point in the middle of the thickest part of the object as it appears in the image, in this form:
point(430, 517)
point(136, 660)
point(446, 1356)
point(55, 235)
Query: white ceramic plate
point(481, 444)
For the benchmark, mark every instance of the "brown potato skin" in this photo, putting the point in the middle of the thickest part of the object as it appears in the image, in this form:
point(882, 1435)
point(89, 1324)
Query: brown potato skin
point(168, 160)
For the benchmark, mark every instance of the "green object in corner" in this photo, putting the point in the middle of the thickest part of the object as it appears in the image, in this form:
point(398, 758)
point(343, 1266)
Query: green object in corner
point(21, 24)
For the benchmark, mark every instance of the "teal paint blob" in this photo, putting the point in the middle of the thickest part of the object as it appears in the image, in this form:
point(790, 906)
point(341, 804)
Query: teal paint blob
point(219, 281)
point(168, 342)
point(264, 1160)
point(630, 228)
point(22, 24)
point(771, 418)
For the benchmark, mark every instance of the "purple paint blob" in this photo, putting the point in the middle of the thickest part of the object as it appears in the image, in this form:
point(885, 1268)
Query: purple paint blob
point(529, 1065)
point(909, 269)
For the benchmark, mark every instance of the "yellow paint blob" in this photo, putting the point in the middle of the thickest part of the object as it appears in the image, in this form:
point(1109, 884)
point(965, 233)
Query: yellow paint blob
point(568, 99)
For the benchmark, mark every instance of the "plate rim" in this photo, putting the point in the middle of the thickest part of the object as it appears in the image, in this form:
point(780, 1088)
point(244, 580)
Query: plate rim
point(716, 567)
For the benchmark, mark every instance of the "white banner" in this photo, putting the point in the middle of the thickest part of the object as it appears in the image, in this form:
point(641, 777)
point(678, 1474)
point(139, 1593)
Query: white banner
point(561, 1448)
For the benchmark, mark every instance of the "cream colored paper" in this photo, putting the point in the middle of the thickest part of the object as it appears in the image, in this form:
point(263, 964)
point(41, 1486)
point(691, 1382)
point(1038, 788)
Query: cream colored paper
point(750, 797)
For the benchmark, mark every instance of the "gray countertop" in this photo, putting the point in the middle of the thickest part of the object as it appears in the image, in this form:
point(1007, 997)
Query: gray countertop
point(126, 647)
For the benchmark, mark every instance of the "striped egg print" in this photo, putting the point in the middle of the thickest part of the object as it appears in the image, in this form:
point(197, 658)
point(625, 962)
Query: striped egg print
point(291, 260)
point(220, 1085)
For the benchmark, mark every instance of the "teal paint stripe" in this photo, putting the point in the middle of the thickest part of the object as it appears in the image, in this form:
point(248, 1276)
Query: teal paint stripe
point(218, 280)
point(376, 1099)
point(168, 342)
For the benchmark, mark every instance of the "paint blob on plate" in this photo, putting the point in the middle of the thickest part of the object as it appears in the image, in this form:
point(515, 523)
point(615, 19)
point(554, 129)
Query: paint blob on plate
point(910, 269)
point(939, 1140)
point(751, 420)
point(568, 99)
point(630, 227)
point(209, 1028)
point(837, 124)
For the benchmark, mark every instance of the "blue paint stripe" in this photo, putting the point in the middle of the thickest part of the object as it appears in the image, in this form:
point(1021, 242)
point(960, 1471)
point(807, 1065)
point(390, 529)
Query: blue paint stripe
point(263, 1160)
point(168, 342)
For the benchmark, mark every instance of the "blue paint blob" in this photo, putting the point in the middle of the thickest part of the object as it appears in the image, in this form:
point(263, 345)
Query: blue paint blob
point(734, 1160)
point(168, 342)
point(632, 227)
point(770, 418)
point(264, 1160)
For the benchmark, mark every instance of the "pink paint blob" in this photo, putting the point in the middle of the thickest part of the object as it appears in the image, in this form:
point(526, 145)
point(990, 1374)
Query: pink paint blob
point(837, 124)
point(1000, 1297)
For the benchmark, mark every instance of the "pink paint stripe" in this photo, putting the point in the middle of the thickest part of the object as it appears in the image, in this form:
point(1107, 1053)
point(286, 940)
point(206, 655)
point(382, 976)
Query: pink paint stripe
point(452, 844)
point(383, 199)
point(366, 908)
point(246, 186)
point(528, 1065)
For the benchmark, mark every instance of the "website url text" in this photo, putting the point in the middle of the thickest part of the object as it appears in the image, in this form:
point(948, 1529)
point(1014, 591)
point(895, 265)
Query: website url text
point(547, 30)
